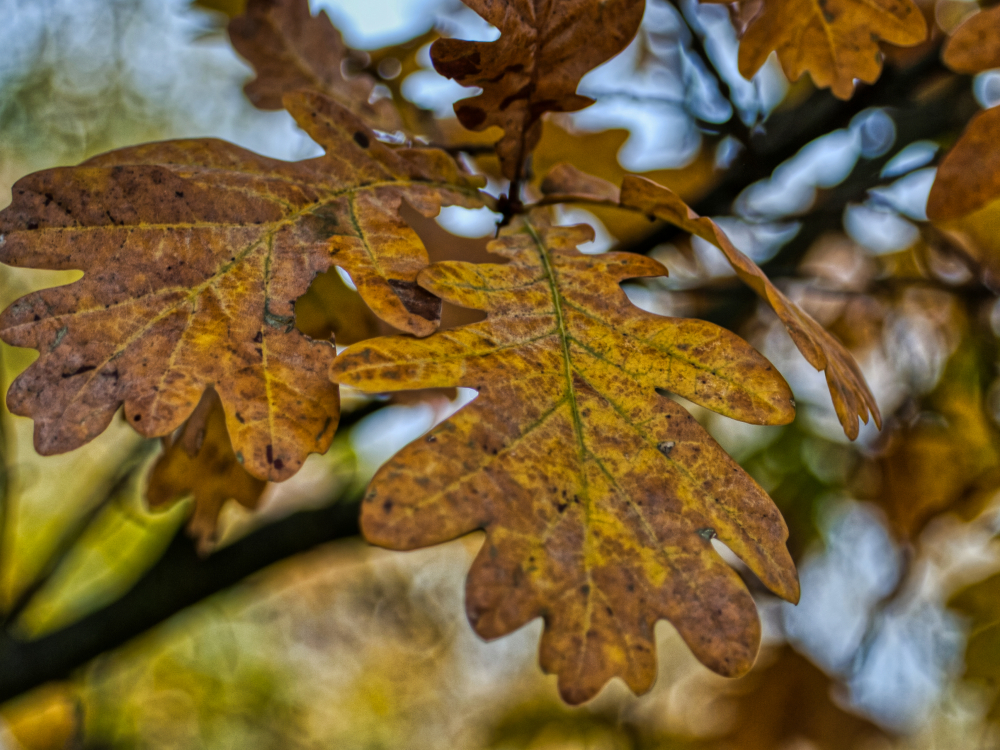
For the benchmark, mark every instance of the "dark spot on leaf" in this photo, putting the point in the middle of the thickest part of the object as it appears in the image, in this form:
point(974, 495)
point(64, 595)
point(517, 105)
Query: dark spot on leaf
point(459, 67)
point(361, 139)
point(471, 117)
point(79, 371)
point(416, 299)
point(270, 454)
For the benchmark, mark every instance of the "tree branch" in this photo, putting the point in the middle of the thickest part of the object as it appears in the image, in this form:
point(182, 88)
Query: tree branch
point(179, 579)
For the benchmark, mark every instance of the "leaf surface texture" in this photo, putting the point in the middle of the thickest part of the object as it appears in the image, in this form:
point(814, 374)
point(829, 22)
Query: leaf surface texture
point(852, 398)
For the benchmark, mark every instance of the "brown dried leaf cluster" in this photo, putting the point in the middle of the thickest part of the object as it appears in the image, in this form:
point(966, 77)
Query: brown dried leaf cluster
point(599, 497)
point(194, 253)
point(545, 48)
point(852, 398)
point(835, 41)
point(291, 49)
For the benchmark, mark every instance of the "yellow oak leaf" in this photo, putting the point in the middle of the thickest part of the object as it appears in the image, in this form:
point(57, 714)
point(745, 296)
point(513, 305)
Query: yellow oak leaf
point(599, 496)
point(968, 178)
point(194, 253)
point(852, 398)
point(835, 41)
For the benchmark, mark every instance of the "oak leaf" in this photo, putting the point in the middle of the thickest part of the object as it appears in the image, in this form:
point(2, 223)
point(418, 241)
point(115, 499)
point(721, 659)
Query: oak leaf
point(201, 463)
point(598, 496)
point(835, 41)
point(975, 45)
point(545, 48)
point(194, 253)
point(852, 399)
point(968, 178)
point(291, 49)
point(567, 183)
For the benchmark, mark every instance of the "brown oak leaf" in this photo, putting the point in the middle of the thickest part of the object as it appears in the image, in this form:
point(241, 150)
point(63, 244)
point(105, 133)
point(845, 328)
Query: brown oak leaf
point(969, 176)
point(599, 496)
point(201, 463)
point(975, 45)
point(835, 41)
point(566, 182)
point(194, 253)
point(851, 396)
point(544, 49)
point(967, 179)
point(291, 49)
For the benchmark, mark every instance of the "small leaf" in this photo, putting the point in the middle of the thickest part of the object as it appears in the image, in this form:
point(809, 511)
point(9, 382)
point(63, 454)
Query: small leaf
point(291, 49)
point(544, 49)
point(975, 45)
point(851, 396)
point(201, 463)
point(835, 41)
point(194, 253)
point(592, 522)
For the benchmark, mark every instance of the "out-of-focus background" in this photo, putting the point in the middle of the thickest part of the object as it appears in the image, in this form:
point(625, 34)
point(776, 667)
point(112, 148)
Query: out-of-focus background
point(346, 646)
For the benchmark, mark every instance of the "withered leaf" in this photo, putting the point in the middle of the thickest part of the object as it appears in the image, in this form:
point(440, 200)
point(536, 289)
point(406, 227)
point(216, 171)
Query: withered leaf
point(975, 44)
point(851, 396)
point(201, 463)
point(835, 41)
point(291, 49)
point(969, 176)
point(598, 496)
point(545, 48)
point(194, 253)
